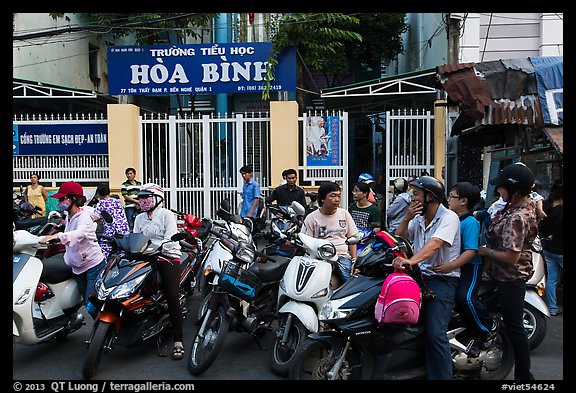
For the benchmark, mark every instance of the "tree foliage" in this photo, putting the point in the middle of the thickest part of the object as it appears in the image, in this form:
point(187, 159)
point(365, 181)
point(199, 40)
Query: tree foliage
point(334, 43)
point(148, 28)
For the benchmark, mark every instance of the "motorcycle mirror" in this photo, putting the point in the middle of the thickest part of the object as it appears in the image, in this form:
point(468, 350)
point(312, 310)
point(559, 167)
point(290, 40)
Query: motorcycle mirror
point(225, 205)
point(355, 239)
point(298, 208)
point(106, 216)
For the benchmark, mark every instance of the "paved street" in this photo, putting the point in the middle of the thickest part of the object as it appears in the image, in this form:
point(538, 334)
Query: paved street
point(240, 359)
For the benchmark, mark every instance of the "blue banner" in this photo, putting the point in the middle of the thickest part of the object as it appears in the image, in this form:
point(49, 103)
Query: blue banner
point(550, 84)
point(323, 141)
point(15, 145)
point(58, 139)
point(197, 69)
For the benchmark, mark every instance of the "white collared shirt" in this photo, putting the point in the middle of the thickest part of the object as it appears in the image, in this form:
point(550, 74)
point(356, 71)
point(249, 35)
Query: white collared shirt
point(446, 226)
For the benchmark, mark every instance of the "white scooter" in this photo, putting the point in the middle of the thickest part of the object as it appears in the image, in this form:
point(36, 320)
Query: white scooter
point(45, 294)
point(305, 287)
point(536, 312)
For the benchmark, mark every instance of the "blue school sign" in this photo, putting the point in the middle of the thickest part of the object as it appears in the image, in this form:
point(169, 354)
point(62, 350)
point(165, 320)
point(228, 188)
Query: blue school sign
point(198, 69)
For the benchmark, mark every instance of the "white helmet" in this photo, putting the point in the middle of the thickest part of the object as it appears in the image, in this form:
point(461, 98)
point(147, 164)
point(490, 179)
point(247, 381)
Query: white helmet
point(401, 185)
point(152, 189)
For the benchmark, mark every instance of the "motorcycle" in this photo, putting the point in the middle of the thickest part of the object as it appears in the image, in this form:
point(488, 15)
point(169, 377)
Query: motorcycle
point(193, 242)
point(45, 293)
point(313, 204)
point(242, 298)
point(306, 285)
point(132, 306)
point(354, 346)
point(215, 254)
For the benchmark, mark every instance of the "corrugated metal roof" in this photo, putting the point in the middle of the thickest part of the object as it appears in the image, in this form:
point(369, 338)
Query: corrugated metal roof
point(493, 93)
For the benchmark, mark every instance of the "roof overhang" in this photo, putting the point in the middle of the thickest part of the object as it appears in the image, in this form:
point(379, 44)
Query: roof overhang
point(379, 94)
point(35, 90)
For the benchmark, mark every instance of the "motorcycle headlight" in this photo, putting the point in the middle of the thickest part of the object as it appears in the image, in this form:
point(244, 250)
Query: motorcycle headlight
point(245, 252)
point(365, 251)
point(327, 251)
point(332, 309)
point(121, 291)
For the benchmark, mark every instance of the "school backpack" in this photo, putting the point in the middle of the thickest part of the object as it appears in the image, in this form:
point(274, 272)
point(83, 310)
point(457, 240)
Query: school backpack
point(399, 301)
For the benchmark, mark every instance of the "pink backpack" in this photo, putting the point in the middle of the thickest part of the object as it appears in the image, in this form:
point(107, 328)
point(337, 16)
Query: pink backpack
point(399, 301)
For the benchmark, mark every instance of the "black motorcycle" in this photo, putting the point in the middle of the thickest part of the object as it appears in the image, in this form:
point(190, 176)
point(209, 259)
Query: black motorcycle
point(132, 306)
point(242, 298)
point(353, 345)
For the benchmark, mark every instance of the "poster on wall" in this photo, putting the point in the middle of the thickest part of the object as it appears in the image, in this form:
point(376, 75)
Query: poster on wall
point(323, 141)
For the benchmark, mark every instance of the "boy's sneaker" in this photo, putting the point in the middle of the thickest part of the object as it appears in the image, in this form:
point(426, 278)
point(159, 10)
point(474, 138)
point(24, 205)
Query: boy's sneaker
point(491, 336)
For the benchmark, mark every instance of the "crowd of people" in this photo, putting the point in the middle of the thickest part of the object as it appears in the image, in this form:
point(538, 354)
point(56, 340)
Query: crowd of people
point(454, 237)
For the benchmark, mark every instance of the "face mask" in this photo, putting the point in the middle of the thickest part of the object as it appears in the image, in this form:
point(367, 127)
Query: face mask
point(146, 204)
point(64, 205)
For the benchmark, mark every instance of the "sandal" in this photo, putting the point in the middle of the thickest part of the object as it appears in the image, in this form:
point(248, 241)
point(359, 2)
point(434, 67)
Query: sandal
point(178, 353)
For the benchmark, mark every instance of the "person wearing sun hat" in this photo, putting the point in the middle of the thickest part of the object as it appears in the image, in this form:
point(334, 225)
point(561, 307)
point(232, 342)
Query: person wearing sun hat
point(83, 253)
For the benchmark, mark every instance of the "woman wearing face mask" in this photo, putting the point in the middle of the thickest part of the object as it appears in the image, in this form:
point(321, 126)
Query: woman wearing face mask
point(83, 254)
point(159, 224)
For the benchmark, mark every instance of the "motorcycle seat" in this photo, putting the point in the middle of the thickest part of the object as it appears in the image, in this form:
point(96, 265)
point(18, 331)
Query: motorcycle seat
point(271, 271)
point(55, 269)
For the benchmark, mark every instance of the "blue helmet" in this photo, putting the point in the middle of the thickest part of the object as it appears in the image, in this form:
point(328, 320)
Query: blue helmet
point(365, 178)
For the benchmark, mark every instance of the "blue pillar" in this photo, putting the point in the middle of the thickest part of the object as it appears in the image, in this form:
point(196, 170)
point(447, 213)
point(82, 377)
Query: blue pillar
point(222, 36)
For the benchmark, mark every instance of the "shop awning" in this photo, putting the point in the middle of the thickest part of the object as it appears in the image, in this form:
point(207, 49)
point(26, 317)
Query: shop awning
point(378, 95)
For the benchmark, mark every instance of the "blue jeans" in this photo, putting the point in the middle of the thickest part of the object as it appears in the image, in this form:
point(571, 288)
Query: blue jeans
point(554, 266)
point(345, 264)
point(131, 213)
point(86, 283)
point(437, 314)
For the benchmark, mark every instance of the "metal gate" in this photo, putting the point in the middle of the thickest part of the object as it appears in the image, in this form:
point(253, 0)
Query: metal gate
point(409, 145)
point(197, 158)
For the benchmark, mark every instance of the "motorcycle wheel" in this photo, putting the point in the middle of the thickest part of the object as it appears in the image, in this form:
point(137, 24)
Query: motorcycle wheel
point(204, 350)
point(313, 359)
point(102, 336)
point(282, 355)
point(535, 325)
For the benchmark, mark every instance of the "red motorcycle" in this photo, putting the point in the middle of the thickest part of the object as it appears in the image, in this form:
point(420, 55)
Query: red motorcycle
point(193, 243)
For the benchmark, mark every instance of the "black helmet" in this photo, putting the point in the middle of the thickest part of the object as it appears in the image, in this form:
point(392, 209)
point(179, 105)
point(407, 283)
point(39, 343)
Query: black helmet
point(515, 176)
point(431, 185)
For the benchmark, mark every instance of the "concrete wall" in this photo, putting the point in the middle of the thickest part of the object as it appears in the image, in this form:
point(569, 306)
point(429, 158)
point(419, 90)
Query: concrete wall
point(283, 138)
point(124, 145)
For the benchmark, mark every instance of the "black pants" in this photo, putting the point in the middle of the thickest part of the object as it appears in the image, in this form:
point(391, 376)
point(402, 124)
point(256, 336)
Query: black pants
point(511, 297)
point(170, 276)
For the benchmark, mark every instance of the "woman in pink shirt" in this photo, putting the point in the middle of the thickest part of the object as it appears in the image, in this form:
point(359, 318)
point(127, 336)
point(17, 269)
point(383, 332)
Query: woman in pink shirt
point(83, 254)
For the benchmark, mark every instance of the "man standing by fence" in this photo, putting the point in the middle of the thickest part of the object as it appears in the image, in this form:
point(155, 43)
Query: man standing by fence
point(129, 190)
